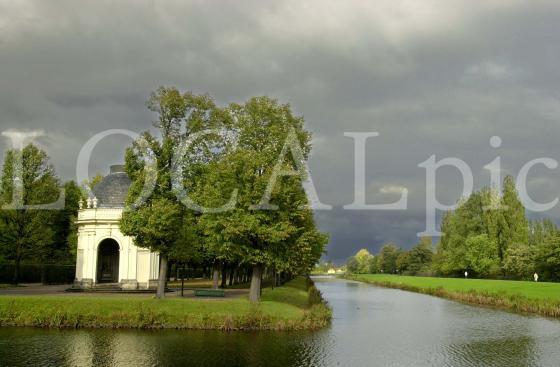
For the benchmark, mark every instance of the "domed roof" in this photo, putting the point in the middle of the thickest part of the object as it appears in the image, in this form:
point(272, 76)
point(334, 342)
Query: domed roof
point(111, 192)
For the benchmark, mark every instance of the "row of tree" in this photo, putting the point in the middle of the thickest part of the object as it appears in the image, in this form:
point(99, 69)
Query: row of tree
point(488, 235)
point(392, 259)
point(244, 159)
point(249, 168)
point(29, 234)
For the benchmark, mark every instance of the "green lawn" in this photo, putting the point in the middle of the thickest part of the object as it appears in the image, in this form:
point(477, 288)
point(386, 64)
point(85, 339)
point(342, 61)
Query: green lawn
point(285, 307)
point(518, 296)
point(540, 290)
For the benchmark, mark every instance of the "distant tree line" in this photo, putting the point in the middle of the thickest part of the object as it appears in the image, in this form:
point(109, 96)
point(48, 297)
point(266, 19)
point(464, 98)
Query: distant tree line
point(323, 267)
point(392, 260)
point(488, 236)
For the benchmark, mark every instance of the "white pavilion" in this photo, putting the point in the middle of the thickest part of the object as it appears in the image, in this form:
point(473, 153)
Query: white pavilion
point(106, 257)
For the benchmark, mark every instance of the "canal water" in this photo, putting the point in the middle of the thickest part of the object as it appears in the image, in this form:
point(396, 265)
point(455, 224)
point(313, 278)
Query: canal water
point(372, 326)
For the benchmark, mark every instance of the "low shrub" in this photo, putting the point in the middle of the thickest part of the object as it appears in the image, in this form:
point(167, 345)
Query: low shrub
point(37, 273)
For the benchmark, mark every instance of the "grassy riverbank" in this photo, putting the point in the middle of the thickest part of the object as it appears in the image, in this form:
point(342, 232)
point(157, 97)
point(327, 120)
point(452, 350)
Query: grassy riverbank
point(295, 306)
point(517, 296)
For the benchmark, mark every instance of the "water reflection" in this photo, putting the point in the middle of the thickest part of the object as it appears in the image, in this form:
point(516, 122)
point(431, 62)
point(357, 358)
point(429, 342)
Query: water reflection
point(371, 327)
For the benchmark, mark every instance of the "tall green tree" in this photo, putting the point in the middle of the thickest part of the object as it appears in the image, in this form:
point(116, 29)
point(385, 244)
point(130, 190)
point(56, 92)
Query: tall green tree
point(514, 227)
point(66, 236)
point(481, 255)
point(519, 260)
point(547, 256)
point(472, 217)
point(388, 258)
point(402, 263)
point(156, 222)
point(27, 232)
point(501, 218)
point(364, 259)
point(352, 265)
point(269, 226)
point(420, 256)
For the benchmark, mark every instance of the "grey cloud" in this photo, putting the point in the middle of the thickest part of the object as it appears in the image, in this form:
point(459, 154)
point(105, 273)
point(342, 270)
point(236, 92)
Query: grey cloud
point(430, 77)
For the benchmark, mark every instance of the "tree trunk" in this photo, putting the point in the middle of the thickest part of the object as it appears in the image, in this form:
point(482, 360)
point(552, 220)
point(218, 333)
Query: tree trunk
point(224, 276)
point(162, 276)
point(15, 279)
point(215, 277)
point(231, 276)
point(168, 273)
point(43, 274)
point(256, 278)
point(183, 279)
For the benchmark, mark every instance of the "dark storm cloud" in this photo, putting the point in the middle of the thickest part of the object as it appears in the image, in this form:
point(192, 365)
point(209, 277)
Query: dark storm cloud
point(431, 77)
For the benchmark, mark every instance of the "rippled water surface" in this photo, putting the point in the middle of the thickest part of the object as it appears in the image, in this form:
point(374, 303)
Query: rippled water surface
point(372, 327)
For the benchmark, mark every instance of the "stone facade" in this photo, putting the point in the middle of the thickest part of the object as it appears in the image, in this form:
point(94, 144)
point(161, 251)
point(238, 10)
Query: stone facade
point(104, 254)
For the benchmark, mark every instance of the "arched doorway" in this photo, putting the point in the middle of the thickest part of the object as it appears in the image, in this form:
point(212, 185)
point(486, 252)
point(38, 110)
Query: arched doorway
point(108, 261)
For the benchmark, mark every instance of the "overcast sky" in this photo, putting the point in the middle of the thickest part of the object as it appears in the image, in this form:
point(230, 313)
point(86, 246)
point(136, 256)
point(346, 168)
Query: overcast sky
point(431, 77)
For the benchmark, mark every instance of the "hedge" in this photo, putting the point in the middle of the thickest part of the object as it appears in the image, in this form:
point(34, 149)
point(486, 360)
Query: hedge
point(31, 273)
